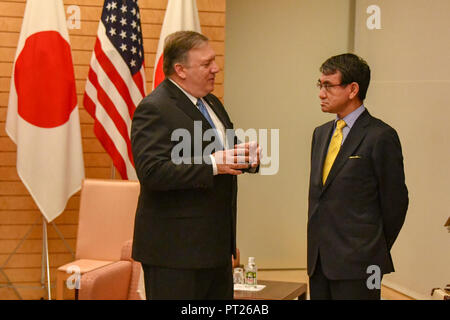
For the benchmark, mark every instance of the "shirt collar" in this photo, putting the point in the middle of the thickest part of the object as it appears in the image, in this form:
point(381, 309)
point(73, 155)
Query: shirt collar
point(190, 96)
point(351, 118)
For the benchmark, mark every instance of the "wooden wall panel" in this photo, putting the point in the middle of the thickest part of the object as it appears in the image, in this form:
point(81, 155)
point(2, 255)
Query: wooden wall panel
point(18, 212)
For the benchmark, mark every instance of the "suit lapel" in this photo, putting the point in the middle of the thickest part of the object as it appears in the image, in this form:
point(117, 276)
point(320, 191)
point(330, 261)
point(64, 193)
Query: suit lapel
point(186, 105)
point(218, 111)
point(353, 140)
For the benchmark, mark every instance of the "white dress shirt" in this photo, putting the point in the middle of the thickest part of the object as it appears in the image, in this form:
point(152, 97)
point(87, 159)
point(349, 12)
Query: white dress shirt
point(217, 123)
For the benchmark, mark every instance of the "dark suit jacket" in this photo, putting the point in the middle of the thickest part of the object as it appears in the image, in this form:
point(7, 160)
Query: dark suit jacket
point(186, 216)
point(354, 219)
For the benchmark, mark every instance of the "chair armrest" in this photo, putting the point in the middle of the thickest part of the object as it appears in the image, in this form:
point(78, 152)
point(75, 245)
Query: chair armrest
point(80, 266)
point(84, 265)
point(137, 287)
point(110, 282)
point(127, 248)
point(135, 280)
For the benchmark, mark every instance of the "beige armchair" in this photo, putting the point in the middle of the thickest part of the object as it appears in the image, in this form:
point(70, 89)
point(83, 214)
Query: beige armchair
point(103, 249)
point(115, 281)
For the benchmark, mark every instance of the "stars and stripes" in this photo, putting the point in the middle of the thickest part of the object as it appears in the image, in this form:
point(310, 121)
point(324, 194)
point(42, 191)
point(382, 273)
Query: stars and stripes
point(116, 80)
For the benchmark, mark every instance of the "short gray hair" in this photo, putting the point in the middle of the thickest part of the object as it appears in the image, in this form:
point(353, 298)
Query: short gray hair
point(177, 46)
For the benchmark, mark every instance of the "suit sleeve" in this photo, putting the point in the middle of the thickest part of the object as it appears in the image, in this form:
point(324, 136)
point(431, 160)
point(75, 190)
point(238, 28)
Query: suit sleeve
point(311, 169)
point(152, 152)
point(393, 193)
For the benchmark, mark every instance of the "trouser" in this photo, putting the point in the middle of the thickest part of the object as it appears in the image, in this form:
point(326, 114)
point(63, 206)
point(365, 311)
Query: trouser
point(188, 284)
point(322, 288)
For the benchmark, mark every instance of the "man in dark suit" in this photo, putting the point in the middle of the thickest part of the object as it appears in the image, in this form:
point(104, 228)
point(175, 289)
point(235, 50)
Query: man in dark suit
point(357, 195)
point(185, 227)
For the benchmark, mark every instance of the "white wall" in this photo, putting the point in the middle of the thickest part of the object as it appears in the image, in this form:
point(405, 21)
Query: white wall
point(410, 87)
point(273, 52)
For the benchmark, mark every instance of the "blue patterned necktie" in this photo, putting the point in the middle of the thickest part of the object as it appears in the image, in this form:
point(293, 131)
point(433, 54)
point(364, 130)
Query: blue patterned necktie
point(201, 106)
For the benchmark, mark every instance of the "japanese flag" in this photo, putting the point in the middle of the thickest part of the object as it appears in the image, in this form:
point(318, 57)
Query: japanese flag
point(181, 15)
point(42, 116)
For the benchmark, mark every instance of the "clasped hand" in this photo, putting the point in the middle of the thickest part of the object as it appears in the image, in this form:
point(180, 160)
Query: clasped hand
point(242, 156)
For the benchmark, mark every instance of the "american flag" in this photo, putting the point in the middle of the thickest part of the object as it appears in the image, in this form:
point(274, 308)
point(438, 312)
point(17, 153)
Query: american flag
point(116, 80)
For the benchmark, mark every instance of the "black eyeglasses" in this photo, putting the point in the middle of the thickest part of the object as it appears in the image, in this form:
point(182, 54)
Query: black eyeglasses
point(327, 85)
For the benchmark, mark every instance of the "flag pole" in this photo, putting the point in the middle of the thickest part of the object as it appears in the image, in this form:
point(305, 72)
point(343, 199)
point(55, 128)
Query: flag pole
point(45, 265)
point(45, 259)
point(44, 22)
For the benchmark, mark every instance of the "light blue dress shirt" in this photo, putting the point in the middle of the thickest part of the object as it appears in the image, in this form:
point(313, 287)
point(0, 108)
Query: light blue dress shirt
point(349, 121)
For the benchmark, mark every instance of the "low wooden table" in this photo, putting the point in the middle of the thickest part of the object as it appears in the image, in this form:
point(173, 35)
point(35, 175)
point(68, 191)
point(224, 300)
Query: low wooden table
point(274, 290)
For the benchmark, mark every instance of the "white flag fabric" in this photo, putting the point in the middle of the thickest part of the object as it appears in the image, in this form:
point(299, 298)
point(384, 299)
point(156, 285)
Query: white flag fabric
point(181, 15)
point(42, 118)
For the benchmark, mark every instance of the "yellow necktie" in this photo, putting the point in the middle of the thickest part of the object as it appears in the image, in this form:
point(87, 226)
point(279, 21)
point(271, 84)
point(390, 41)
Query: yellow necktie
point(333, 149)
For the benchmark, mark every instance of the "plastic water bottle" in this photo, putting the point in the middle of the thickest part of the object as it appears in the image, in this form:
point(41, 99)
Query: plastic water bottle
point(250, 272)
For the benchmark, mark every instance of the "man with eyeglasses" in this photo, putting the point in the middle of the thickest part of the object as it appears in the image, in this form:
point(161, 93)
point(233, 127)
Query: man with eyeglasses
point(357, 195)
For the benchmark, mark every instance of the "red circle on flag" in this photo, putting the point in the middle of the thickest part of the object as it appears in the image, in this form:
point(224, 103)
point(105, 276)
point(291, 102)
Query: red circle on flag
point(159, 73)
point(45, 81)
